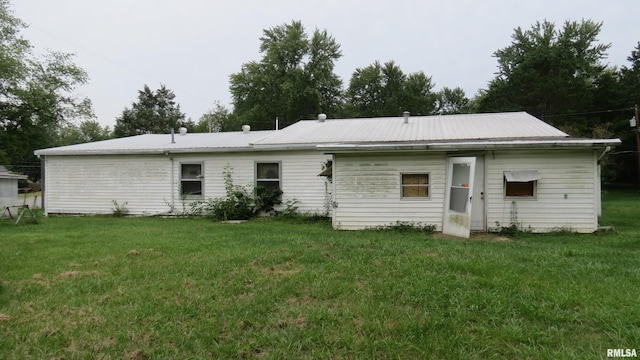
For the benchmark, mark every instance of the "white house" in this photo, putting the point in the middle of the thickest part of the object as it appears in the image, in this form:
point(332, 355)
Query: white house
point(457, 172)
point(9, 188)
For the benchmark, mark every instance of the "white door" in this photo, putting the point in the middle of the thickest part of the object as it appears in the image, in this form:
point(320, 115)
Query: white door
point(459, 194)
point(478, 222)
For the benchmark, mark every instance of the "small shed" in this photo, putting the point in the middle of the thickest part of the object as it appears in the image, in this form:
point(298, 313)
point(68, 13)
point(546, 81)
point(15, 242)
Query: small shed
point(9, 188)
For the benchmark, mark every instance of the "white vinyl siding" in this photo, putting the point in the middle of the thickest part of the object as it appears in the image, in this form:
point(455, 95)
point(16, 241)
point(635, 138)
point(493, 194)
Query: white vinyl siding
point(8, 193)
point(150, 184)
point(299, 178)
point(565, 193)
point(367, 188)
point(89, 184)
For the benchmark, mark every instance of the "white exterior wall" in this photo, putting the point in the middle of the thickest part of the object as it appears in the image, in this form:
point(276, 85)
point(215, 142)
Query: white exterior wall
point(368, 190)
point(299, 175)
point(563, 173)
point(8, 193)
point(88, 184)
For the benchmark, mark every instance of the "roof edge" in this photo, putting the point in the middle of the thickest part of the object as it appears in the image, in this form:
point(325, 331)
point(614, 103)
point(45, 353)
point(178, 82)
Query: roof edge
point(472, 145)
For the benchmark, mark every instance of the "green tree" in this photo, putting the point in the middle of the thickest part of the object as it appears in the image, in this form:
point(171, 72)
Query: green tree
point(548, 72)
point(217, 119)
point(156, 112)
point(35, 96)
point(628, 94)
point(452, 101)
point(630, 78)
point(293, 80)
point(384, 90)
point(86, 131)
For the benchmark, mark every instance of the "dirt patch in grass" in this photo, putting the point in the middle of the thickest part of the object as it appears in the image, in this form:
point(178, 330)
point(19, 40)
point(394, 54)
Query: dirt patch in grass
point(104, 344)
point(299, 322)
point(137, 355)
point(306, 300)
point(287, 268)
point(281, 270)
point(4, 317)
point(78, 274)
point(39, 279)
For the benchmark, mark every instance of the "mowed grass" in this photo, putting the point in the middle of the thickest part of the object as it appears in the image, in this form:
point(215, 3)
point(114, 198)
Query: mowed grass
point(154, 288)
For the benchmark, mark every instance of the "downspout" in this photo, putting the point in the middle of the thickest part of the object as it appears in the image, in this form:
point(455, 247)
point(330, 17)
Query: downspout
point(172, 185)
point(42, 183)
point(599, 184)
point(606, 150)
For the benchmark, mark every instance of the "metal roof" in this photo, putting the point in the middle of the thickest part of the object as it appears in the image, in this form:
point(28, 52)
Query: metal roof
point(12, 176)
point(161, 143)
point(513, 125)
point(442, 132)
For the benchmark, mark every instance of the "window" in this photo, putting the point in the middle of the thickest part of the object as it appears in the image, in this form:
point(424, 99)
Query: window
point(268, 175)
point(191, 180)
point(415, 185)
point(521, 184)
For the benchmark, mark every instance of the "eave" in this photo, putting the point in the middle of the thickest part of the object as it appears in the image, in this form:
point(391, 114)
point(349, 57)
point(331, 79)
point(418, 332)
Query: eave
point(530, 144)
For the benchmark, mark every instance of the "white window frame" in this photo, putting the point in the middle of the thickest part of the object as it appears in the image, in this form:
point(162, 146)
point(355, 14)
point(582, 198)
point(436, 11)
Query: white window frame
point(259, 180)
point(427, 186)
point(523, 177)
point(198, 178)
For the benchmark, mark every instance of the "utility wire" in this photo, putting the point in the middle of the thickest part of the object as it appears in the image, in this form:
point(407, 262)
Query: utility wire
point(589, 112)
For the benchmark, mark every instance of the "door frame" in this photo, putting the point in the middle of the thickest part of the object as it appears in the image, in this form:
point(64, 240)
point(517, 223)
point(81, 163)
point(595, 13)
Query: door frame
point(479, 210)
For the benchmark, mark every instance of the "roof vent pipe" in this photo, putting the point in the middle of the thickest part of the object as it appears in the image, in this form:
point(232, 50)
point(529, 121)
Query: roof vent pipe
point(173, 140)
point(246, 129)
point(183, 131)
point(406, 117)
point(322, 117)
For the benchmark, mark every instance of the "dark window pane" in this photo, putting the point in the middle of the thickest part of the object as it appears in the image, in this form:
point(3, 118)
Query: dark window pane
point(519, 188)
point(269, 184)
point(191, 188)
point(191, 171)
point(268, 171)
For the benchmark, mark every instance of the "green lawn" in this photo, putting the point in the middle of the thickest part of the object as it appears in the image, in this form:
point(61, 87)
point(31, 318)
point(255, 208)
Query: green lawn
point(138, 288)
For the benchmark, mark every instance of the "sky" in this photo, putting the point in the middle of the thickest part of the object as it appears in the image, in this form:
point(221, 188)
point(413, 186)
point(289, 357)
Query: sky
point(192, 46)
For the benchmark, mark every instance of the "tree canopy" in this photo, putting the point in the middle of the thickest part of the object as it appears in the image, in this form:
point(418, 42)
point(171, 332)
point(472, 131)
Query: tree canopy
point(155, 112)
point(385, 90)
point(293, 80)
point(548, 72)
point(35, 96)
point(217, 119)
point(86, 131)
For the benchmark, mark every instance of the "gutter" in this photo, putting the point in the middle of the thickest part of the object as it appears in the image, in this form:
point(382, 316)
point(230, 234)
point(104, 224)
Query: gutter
point(471, 145)
point(153, 151)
